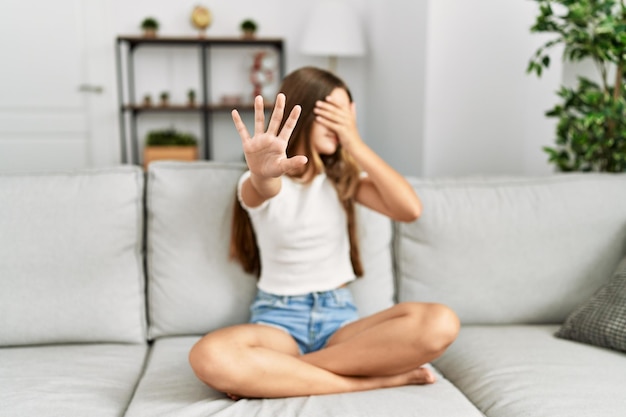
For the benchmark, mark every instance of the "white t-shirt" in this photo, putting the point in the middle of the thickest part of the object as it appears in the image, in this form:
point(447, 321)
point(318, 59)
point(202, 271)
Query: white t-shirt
point(302, 235)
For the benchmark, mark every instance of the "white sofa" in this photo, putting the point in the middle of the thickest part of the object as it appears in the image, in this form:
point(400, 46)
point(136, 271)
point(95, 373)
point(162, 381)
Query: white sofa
point(107, 278)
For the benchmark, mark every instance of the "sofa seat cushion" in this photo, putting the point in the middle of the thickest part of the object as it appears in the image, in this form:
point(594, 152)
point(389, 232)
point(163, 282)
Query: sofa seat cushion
point(170, 388)
point(69, 380)
point(510, 371)
point(71, 266)
point(193, 286)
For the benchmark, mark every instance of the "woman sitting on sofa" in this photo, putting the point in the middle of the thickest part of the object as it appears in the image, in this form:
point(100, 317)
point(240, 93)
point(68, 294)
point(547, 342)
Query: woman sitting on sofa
point(297, 202)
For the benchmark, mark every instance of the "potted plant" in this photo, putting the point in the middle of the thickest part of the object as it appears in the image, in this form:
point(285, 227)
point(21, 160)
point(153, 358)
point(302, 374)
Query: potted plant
point(248, 27)
point(147, 100)
point(165, 99)
point(150, 27)
point(191, 98)
point(169, 144)
point(591, 129)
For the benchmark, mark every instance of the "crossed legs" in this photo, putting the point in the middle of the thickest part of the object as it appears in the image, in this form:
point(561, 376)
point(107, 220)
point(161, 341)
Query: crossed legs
point(386, 349)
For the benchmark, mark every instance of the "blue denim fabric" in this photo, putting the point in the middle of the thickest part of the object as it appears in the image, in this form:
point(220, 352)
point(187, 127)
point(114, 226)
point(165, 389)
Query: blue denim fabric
point(311, 319)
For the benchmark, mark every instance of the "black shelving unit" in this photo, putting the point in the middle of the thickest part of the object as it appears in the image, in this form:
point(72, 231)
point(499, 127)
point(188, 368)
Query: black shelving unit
point(128, 105)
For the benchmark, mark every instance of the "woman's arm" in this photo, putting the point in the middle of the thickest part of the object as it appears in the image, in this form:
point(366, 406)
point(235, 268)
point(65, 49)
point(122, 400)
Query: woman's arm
point(265, 152)
point(383, 189)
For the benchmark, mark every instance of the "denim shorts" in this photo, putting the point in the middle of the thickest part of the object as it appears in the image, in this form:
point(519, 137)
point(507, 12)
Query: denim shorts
point(311, 319)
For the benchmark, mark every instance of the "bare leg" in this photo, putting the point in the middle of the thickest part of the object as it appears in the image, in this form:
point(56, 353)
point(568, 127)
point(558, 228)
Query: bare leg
point(252, 360)
point(391, 342)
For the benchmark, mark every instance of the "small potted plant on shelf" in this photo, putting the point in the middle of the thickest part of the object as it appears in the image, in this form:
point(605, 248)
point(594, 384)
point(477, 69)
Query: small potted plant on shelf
point(150, 27)
point(165, 99)
point(248, 27)
point(169, 144)
point(191, 98)
point(147, 100)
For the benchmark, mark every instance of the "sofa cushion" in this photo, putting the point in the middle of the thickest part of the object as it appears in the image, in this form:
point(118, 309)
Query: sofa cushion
point(193, 286)
point(71, 266)
point(95, 380)
point(513, 250)
point(601, 320)
point(525, 371)
point(170, 388)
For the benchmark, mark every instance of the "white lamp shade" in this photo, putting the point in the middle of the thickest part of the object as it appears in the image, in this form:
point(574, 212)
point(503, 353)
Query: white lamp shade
point(333, 29)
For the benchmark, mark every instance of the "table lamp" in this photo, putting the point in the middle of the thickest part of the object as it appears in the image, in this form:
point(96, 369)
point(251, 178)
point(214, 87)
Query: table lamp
point(333, 29)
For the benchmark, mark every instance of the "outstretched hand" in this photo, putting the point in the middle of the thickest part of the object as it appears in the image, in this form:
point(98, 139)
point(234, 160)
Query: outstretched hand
point(265, 152)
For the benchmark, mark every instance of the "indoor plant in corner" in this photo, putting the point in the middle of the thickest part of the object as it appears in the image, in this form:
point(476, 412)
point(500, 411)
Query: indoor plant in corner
point(169, 144)
point(591, 129)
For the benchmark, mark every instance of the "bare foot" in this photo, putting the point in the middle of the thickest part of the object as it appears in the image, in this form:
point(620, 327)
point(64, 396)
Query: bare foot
point(419, 376)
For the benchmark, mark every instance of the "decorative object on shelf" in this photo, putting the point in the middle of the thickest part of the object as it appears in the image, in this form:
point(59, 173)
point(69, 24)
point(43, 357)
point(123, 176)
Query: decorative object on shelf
point(248, 27)
point(147, 100)
point(333, 30)
point(171, 145)
point(150, 27)
point(165, 99)
point(231, 99)
point(201, 19)
point(191, 97)
point(591, 129)
point(262, 73)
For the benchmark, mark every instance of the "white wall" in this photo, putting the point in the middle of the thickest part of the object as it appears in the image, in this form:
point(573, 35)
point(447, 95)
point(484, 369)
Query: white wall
point(443, 90)
point(484, 114)
point(396, 82)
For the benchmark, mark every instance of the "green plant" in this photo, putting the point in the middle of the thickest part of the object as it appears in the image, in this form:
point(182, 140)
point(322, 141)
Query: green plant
point(150, 23)
point(164, 95)
point(191, 95)
point(170, 137)
point(591, 128)
point(248, 25)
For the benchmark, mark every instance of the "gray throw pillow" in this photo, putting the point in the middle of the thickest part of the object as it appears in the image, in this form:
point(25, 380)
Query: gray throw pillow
point(601, 320)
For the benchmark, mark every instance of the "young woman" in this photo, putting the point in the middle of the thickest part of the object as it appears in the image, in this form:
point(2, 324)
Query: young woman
point(297, 203)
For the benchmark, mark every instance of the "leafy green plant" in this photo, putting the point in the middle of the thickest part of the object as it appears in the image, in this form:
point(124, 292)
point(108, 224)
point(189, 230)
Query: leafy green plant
point(248, 25)
point(591, 128)
point(170, 137)
point(150, 23)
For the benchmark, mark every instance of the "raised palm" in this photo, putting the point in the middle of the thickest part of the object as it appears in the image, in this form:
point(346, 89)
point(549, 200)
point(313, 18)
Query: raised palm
point(265, 152)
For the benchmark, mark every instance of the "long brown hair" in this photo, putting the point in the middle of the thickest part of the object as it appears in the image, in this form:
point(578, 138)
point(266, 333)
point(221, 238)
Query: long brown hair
point(304, 87)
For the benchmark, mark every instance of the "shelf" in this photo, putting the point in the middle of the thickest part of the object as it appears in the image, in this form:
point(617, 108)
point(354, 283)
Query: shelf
point(185, 108)
point(129, 110)
point(194, 41)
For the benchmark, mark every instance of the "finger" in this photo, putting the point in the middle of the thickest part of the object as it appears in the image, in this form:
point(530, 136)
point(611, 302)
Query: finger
point(329, 112)
point(277, 114)
point(329, 103)
point(290, 124)
point(294, 163)
point(240, 126)
point(326, 114)
point(259, 116)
